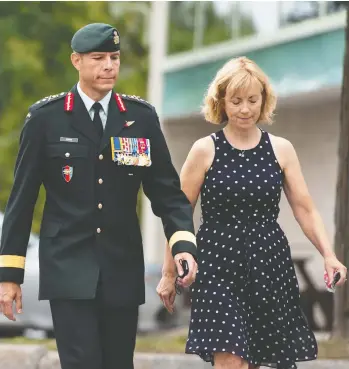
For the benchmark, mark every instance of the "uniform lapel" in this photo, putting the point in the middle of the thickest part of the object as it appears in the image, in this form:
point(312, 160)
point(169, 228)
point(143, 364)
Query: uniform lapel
point(115, 122)
point(81, 120)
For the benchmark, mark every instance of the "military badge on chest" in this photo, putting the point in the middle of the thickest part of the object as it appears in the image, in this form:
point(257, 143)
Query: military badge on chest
point(131, 151)
point(67, 172)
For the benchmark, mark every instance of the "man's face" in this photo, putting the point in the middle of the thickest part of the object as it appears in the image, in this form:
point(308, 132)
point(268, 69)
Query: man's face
point(97, 70)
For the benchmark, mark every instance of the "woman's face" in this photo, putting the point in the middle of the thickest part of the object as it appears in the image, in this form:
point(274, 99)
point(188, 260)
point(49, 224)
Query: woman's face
point(243, 107)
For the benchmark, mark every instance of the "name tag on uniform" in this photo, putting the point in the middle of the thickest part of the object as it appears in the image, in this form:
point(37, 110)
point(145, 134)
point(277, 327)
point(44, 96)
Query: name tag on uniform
point(68, 139)
point(131, 151)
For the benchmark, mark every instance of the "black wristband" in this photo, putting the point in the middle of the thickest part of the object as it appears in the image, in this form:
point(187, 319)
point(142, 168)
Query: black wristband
point(15, 275)
point(184, 246)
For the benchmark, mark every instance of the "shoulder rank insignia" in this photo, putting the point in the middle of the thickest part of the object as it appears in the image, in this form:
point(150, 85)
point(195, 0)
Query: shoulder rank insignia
point(120, 103)
point(47, 100)
point(137, 99)
point(69, 101)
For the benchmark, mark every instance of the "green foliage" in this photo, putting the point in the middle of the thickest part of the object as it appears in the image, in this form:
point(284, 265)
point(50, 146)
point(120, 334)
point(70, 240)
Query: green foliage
point(35, 62)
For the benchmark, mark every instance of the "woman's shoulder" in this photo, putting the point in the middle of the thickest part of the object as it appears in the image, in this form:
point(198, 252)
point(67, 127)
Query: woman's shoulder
point(283, 150)
point(280, 143)
point(203, 146)
point(202, 152)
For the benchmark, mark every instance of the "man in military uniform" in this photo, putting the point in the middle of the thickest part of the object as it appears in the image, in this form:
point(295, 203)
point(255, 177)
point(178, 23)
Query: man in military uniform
point(92, 149)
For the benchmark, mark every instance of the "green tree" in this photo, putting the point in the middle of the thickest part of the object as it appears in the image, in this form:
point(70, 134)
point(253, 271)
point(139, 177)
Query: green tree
point(34, 62)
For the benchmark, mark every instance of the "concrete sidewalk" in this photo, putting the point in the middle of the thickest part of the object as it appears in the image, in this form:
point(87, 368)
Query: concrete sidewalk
point(37, 357)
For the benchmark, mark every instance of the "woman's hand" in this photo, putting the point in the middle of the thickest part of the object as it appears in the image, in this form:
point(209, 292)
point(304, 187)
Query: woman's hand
point(332, 265)
point(167, 291)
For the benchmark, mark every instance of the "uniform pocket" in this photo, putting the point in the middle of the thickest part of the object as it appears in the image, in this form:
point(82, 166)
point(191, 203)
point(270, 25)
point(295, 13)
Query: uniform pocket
point(68, 163)
point(129, 175)
point(65, 150)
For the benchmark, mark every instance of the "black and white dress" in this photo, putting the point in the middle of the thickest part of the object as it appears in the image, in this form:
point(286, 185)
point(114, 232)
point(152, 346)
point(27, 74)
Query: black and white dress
point(245, 300)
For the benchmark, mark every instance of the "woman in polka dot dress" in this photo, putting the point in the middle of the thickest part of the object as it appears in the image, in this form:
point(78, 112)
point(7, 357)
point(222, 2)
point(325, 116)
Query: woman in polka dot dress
point(245, 300)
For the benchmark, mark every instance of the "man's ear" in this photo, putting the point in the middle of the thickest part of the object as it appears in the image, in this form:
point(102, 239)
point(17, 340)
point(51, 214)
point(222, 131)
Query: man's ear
point(76, 60)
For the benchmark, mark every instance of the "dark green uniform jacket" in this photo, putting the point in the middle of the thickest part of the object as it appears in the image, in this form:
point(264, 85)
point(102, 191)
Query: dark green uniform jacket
point(90, 230)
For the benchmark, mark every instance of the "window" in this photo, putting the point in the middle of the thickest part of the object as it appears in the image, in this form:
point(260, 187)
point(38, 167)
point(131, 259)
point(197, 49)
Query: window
point(335, 6)
point(298, 11)
point(181, 26)
point(195, 24)
point(258, 17)
point(216, 21)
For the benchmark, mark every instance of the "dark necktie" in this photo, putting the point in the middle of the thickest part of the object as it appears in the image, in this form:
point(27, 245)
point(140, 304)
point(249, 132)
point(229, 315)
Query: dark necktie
point(97, 122)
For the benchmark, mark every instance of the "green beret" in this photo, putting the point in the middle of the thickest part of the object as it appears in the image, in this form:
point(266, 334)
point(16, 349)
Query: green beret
point(96, 37)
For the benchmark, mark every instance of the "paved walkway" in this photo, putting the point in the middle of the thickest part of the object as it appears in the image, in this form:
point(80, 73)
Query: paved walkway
point(37, 357)
point(317, 364)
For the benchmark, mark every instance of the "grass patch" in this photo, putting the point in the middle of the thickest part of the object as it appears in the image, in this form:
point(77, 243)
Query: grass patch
point(331, 349)
point(49, 343)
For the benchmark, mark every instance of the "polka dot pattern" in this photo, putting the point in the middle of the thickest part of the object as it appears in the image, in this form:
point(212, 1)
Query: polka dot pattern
point(245, 299)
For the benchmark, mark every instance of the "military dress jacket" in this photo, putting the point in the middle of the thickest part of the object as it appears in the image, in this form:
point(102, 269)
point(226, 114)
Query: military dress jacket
point(90, 231)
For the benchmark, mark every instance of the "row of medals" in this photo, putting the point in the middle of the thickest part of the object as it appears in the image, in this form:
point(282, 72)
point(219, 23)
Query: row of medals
point(122, 158)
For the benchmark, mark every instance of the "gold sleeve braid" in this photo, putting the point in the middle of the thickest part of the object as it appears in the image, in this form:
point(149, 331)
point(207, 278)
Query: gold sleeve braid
point(182, 236)
point(12, 261)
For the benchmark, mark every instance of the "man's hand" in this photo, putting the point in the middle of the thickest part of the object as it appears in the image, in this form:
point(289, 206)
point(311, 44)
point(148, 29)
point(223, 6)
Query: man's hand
point(10, 292)
point(190, 277)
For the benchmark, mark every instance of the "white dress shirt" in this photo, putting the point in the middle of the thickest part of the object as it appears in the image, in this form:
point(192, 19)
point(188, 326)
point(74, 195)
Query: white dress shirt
point(103, 113)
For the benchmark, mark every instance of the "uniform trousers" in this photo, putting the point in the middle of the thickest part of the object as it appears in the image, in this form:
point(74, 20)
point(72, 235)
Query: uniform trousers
point(92, 335)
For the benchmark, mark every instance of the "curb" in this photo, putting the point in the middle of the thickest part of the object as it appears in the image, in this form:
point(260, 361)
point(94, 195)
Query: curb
point(38, 357)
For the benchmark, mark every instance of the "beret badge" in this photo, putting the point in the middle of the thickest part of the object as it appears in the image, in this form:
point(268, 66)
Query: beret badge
point(116, 38)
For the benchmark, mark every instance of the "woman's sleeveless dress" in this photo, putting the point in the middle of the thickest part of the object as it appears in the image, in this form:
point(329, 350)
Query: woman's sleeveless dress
point(245, 299)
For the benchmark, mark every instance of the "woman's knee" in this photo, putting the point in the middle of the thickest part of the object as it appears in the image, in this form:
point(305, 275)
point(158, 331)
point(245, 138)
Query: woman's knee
point(224, 360)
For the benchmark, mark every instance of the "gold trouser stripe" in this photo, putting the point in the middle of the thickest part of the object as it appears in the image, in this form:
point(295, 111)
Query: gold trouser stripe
point(12, 261)
point(182, 236)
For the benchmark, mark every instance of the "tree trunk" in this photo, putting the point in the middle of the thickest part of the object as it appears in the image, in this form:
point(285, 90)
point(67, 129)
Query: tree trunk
point(341, 305)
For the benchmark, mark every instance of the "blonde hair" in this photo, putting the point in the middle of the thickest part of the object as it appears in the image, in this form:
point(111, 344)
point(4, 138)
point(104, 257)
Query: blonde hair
point(237, 74)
